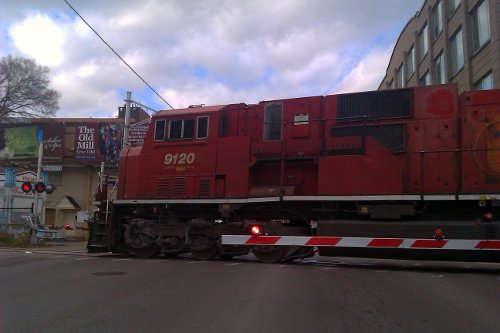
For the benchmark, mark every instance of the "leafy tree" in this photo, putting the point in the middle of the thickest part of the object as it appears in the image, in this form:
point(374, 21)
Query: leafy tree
point(24, 89)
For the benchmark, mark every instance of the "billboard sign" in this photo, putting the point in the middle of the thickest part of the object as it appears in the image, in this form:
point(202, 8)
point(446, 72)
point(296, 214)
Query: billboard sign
point(19, 142)
point(86, 142)
point(53, 140)
point(136, 134)
point(98, 142)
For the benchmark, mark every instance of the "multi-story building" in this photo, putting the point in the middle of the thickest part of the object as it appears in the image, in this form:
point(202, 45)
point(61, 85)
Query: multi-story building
point(448, 41)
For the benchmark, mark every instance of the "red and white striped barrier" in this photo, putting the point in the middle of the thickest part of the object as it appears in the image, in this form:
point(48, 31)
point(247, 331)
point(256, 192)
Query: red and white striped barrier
point(394, 243)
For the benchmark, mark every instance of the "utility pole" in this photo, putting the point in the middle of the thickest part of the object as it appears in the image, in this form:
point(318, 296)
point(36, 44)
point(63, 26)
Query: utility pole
point(38, 174)
point(127, 119)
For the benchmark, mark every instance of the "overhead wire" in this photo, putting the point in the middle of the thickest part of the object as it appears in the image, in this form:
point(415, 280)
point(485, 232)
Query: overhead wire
point(116, 53)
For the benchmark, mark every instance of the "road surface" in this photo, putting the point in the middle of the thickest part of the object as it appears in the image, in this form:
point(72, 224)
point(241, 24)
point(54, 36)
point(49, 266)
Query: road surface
point(74, 292)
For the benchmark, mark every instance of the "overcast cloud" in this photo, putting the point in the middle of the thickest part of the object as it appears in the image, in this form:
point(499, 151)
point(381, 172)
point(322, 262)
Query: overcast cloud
point(204, 52)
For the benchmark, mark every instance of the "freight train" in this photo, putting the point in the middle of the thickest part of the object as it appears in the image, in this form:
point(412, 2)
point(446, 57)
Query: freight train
point(403, 173)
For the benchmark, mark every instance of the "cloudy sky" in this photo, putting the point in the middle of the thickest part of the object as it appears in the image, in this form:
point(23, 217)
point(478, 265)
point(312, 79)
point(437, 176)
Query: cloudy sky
point(203, 52)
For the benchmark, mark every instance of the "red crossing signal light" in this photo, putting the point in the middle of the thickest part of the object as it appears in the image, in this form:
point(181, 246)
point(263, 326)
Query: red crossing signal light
point(26, 187)
point(40, 187)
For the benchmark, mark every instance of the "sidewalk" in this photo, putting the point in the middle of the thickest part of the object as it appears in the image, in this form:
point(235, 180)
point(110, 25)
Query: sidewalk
point(66, 246)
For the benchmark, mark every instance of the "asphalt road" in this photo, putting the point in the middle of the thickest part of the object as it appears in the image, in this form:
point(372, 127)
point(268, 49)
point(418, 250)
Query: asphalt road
point(75, 292)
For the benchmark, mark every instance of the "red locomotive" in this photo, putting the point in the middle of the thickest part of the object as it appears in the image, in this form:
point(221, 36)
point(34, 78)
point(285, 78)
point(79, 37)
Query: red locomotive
point(386, 164)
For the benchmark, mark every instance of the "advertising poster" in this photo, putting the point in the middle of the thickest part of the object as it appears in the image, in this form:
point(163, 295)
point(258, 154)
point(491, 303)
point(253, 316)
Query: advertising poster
point(110, 142)
point(98, 142)
point(53, 140)
point(86, 142)
point(19, 142)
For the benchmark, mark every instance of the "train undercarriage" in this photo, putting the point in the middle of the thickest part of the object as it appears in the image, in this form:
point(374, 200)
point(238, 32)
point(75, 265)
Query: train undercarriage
point(147, 229)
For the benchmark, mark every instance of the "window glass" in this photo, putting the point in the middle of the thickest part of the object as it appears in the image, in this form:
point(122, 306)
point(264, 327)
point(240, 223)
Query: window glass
point(437, 20)
point(423, 43)
point(425, 80)
point(480, 25)
point(485, 83)
point(452, 6)
point(160, 130)
point(400, 77)
point(202, 128)
point(175, 130)
point(188, 129)
point(440, 69)
point(272, 122)
point(457, 52)
point(410, 62)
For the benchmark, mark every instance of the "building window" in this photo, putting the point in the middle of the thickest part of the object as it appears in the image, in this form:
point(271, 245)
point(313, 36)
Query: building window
point(273, 122)
point(181, 129)
point(437, 20)
point(485, 83)
point(425, 80)
point(410, 62)
point(202, 128)
point(423, 43)
point(160, 130)
point(457, 52)
point(439, 67)
point(452, 7)
point(480, 25)
point(400, 77)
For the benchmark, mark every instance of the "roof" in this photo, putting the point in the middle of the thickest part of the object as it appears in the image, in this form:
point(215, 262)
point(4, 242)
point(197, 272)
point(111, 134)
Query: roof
point(196, 110)
point(67, 202)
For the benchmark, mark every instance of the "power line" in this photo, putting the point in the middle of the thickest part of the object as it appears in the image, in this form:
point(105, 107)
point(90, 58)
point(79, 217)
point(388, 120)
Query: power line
point(116, 53)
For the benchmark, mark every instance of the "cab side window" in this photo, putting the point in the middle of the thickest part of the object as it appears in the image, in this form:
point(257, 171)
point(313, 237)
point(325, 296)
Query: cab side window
point(273, 118)
point(160, 130)
point(181, 129)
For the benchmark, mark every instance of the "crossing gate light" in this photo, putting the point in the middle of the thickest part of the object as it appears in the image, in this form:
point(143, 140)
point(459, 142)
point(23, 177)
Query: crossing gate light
point(26, 187)
point(39, 187)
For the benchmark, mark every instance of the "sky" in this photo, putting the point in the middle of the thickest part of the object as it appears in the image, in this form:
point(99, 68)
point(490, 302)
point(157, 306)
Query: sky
point(208, 52)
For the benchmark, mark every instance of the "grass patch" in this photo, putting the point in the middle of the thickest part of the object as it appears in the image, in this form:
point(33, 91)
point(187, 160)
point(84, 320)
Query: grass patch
point(8, 240)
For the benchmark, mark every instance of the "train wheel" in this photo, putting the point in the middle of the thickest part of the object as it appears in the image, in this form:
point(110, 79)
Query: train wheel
point(204, 248)
point(147, 252)
point(269, 254)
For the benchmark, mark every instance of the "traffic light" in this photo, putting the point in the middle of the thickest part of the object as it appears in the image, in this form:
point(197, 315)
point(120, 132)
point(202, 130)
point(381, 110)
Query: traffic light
point(39, 187)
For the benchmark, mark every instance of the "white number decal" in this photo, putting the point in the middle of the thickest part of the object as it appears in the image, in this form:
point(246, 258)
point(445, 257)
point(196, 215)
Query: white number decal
point(182, 158)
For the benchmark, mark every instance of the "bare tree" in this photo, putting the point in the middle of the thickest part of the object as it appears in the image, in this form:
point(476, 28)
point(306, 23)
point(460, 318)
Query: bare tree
point(24, 89)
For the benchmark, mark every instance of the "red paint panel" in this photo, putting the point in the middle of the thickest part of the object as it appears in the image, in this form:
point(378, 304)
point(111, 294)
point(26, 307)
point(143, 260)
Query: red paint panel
point(332, 241)
point(263, 240)
point(429, 244)
point(385, 242)
point(488, 244)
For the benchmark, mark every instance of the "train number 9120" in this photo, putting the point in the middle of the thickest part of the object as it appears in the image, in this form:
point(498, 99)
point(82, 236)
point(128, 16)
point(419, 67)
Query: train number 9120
point(182, 158)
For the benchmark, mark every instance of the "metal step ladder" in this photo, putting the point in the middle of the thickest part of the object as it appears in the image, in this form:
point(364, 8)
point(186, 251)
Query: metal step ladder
point(100, 226)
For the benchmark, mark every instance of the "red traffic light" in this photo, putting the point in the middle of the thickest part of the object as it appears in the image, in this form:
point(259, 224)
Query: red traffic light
point(40, 187)
point(26, 187)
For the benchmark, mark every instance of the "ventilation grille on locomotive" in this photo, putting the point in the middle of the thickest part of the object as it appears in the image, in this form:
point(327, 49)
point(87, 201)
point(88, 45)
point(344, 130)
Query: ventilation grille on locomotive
point(375, 105)
point(163, 187)
point(204, 189)
point(391, 136)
